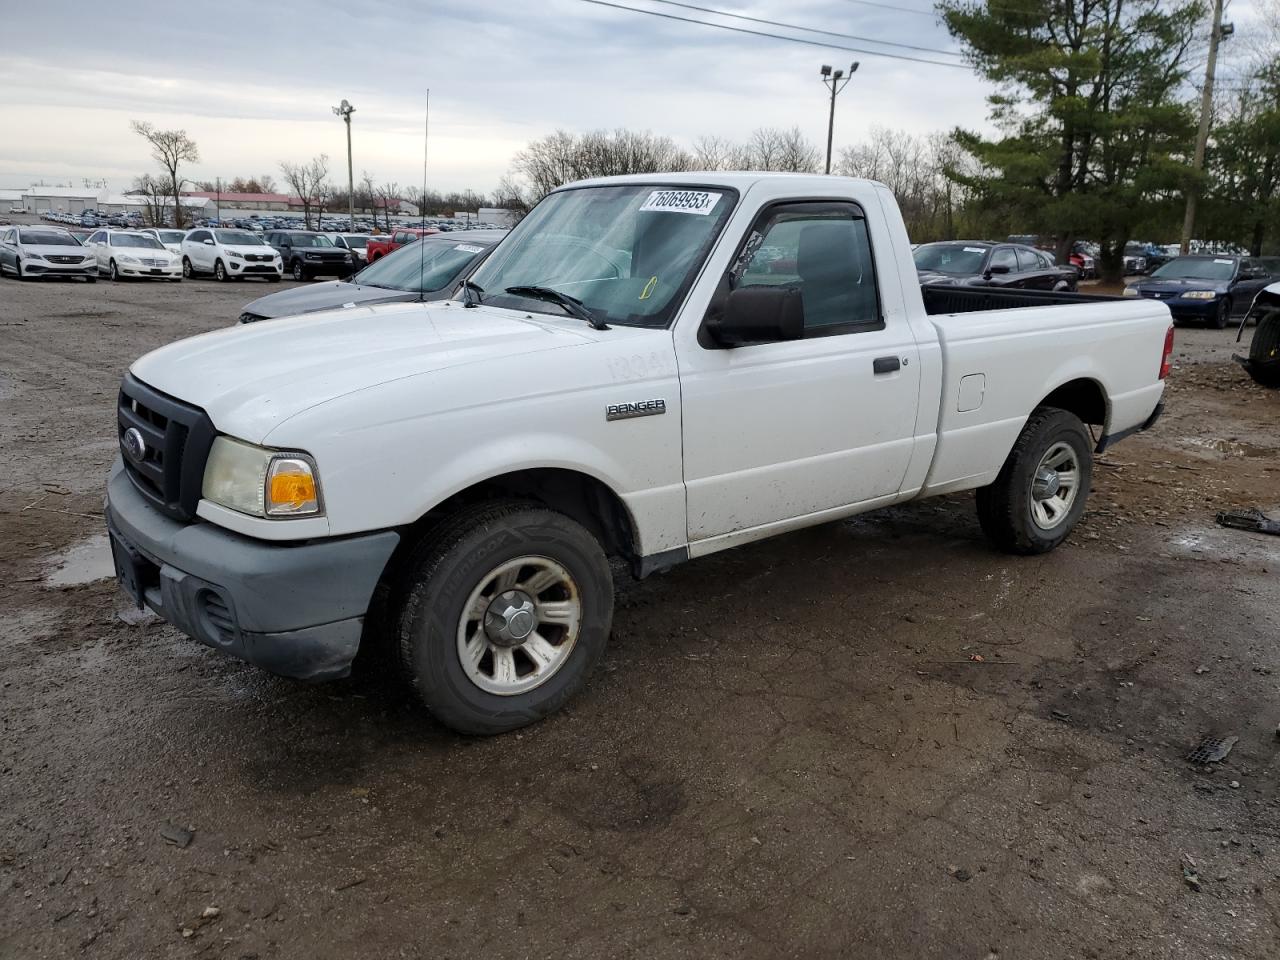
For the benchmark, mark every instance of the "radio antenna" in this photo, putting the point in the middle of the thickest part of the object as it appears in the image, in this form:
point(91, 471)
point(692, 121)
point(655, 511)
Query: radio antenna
point(422, 247)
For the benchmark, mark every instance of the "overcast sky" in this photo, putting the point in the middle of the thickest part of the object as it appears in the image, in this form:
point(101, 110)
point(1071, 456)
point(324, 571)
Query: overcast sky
point(253, 83)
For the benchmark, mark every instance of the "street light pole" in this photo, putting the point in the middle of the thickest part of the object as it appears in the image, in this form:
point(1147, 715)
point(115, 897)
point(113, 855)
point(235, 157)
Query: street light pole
point(832, 79)
point(345, 110)
point(1220, 31)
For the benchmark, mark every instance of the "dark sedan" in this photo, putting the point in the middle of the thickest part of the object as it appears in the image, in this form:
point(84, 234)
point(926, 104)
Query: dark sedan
point(1209, 289)
point(428, 269)
point(984, 264)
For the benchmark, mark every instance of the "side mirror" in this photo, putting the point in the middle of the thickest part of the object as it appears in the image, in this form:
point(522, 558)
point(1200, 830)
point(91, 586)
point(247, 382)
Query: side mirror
point(997, 268)
point(759, 314)
point(209, 242)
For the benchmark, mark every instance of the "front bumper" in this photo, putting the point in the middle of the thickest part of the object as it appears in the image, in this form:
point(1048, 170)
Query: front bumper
point(294, 609)
point(256, 269)
point(46, 269)
point(134, 270)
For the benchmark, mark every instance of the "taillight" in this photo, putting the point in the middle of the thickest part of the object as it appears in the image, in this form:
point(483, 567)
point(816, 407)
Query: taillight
point(1166, 362)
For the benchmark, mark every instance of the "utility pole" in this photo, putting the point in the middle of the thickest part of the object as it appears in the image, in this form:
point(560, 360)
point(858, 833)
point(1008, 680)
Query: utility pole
point(1220, 32)
point(832, 80)
point(345, 110)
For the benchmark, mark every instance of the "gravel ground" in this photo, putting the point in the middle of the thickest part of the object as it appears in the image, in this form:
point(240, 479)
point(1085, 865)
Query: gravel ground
point(876, 738)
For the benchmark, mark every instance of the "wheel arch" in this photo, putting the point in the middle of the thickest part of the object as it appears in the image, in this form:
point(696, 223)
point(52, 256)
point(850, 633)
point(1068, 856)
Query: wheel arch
point(1083, 396)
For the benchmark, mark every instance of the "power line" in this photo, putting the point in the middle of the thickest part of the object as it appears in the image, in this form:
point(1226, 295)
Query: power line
point(776, 36)
point(895, 9)
point(796, 26)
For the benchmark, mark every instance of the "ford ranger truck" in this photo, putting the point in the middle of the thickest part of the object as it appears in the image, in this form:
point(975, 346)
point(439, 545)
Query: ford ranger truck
point(652, 368)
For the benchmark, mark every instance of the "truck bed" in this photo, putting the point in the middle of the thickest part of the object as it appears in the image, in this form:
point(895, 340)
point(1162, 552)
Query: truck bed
point(942, 299)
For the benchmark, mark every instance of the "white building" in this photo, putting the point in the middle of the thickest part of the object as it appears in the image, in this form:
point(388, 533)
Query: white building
point(60, 199)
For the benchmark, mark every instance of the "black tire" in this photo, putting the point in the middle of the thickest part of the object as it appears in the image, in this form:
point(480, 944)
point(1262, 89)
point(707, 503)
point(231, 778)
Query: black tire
point(299, 271)
point(1223, 316)
point(112, 272)
point(455, 559)
point(1264, 351)
point(188, 269)
point(219, 271)
point(1006, 507)
point(17, 270)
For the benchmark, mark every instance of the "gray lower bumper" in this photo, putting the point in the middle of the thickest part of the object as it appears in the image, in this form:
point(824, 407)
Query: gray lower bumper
point(294, 609)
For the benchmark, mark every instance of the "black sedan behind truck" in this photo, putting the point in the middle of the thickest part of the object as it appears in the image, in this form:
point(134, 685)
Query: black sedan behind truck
point(307, 255)
point(1207, 289)
point(979, 263)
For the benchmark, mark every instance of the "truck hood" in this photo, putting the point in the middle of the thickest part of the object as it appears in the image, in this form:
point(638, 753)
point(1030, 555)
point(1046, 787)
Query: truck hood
point(323, 296)
point(1176, 286)
point(252, 378)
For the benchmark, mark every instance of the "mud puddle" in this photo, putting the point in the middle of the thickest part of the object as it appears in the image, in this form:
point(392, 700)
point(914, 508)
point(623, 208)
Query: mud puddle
point(81, 563)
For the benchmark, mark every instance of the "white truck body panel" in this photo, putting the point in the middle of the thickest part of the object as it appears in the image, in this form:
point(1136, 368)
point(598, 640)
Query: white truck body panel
point(405, 405)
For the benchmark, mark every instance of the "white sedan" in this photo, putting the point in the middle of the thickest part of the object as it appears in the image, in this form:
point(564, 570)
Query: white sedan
point(228, 254)
point(128, 253)
point(36, 251)
point(172, 239)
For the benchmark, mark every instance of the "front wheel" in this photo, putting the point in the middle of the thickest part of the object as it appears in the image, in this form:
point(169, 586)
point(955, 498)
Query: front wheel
point(299, 272)
point(17, 270)
point(503, 613)
point(113, 273)
point(1223, 315)
point(188, 271)
point(1040, 493)
point(219, 271)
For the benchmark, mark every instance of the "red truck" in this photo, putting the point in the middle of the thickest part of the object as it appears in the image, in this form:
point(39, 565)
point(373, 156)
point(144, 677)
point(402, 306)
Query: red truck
point(379, 246)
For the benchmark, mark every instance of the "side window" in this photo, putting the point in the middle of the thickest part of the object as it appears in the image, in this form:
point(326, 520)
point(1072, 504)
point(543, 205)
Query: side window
point(1028, 259)
point(96, 238)
point(1004, 257)
point(1045, 262)
point(822, 249)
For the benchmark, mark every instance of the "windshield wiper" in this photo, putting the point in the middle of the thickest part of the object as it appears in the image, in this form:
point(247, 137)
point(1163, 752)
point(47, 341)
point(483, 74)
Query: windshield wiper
point(472, 294)
point(572, 305)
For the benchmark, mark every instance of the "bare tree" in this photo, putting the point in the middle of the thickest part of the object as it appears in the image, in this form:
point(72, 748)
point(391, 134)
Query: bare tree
point(171, 149)
point(154, 193)
point(307, 180)
point(388, 194)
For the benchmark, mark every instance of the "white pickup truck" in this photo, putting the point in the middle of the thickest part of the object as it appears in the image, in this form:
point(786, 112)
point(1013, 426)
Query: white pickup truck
point(653, 368)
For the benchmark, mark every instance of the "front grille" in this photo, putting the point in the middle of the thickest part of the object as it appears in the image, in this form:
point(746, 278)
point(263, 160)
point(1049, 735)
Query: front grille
point(258, 257)
point(176, 439)
point(65, 259)
point(152, 262)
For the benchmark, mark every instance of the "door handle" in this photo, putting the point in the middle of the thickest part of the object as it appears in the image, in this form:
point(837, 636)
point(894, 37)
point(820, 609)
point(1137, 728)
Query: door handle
point(886, 365)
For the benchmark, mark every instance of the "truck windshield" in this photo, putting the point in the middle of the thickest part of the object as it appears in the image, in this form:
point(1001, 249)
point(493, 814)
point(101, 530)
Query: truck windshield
point(627, 252)
point(950, 258)
point(1196, 268)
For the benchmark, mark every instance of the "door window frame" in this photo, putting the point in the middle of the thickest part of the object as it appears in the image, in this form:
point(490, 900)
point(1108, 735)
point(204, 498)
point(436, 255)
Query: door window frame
point(761, 223)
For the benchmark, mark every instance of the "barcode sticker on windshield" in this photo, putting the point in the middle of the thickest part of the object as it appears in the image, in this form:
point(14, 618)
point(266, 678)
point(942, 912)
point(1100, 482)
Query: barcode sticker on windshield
point(1227, 262)
point(681, 201)
point(468, 248)
point(974, 250)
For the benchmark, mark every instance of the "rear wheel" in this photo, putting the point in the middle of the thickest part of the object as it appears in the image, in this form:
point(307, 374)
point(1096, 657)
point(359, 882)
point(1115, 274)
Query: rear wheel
point(1040, 493)
point(503, 612)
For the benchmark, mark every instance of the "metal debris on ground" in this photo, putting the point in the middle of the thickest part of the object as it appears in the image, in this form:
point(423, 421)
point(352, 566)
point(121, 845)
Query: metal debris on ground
point(1255, 521)
point(1212, 750)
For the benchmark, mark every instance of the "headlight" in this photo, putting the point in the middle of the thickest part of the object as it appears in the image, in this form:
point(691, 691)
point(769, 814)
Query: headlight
point(32, 256)
point(124, 259)
point(261, 482)
point(1199, 295)
point(1130, 292)
point(313, 256)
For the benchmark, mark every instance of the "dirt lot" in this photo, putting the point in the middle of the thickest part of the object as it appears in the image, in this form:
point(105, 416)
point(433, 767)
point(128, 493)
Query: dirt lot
point(792, 748)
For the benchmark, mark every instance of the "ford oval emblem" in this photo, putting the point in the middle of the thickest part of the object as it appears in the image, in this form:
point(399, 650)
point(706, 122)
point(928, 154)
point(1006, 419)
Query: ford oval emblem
point(134, 445)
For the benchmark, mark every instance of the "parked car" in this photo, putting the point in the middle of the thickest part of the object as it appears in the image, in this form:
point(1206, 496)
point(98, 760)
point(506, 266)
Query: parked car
point(128, 254)
point(17, 208)
point(229, 255)
point(380, 246)
point(630, 373)
point(982, 263)
point(431, 272)
point(1209, 289)
point(1263, 361)
point(29, 252)
point(307, 254)
point(356, 243)
point(172, 239)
